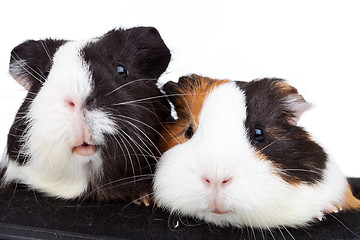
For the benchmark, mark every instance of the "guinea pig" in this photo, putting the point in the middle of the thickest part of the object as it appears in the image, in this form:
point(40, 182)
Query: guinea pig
point(236, 156)
point(93, 113)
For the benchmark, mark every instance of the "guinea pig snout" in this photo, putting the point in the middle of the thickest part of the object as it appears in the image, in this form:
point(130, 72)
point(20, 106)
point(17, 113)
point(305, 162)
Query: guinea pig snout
point(215, 200)
point(83, 144)
point(216, 187)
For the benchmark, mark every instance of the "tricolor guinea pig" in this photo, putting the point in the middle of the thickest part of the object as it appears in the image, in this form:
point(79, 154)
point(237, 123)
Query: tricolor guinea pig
point(236, 156)
point(89, 124)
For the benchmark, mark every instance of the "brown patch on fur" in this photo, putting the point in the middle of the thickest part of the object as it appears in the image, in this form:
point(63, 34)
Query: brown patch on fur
point(191, 93)
point(350, 202)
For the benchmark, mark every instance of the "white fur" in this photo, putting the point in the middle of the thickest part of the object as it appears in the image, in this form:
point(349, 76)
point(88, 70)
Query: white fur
point(255, 195)
point(55, 128)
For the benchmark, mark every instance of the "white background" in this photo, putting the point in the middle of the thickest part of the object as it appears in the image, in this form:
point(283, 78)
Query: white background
point(315, 45)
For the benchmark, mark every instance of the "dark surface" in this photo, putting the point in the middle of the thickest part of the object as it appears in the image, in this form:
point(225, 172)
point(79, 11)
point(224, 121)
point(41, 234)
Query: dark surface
point(28, 214)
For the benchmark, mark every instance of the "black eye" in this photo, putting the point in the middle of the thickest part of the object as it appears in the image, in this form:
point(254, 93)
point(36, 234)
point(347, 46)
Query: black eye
point(259, 134)
point(189, 132)
point(121, 69)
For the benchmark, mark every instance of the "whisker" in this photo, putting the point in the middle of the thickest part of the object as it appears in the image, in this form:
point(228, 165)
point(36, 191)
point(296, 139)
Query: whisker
point(149, 98)
point(281, 232)
point(302, 170)
point(127, 150)
point(124, 85)
point(136, 145)
point(124, 181)
point(346, 227)
point(117, 183)
point(142, 132)
point(270, 231)
point(123, 152)
point(277, 140)
point(13, 195)
point(23, 63)
point(46, 50)
point(288, 232)
point(150, 152)
point(251, 225)
point(138, 199)
point(261, 230)
point(175, 137)
point(157, 132)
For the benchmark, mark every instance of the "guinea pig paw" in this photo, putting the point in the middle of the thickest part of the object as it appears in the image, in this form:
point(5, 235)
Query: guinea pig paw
point(333, 209)
point(142, 199)
point(320, 217)
point(329, 210)
point(145, 200)
point(339, 208)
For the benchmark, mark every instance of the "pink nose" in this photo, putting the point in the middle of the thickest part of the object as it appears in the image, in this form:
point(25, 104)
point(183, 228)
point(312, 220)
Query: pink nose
point(215, 183)
point(70, 103)
point(89, 103)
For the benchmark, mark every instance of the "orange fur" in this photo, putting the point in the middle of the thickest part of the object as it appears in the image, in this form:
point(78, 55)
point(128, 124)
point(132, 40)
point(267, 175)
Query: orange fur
point(350, 202)
point(284, 88)
point(188, 106)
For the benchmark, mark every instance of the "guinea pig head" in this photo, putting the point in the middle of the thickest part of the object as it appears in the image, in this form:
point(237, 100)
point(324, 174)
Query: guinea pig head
point(91, 118)
point(236, 156)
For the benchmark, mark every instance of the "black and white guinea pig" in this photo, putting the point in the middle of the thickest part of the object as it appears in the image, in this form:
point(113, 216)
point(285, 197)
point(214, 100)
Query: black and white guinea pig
point(89, 124)
point(235, 156)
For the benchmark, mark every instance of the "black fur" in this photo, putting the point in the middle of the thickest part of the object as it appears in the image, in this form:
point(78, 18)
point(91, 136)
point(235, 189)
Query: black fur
point(287, 145)
point(126, 173)
point(144, 54)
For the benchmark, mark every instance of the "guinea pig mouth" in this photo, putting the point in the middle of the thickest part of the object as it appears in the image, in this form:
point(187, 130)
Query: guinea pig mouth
point(220, 212)
point(85, 149)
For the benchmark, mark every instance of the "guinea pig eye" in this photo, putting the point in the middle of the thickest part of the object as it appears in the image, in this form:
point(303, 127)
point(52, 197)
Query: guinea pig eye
point(121, 69)
point(189, 132)
point(259, 134)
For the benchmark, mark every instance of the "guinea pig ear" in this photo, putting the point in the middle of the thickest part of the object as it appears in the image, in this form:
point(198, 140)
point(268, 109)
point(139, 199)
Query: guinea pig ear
point(151, 55)
point(176, 91)
point(184, 84)
point(31, 61)
point(172, 91)
point(297, 106)
point(293, 104)
point(189, 81)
